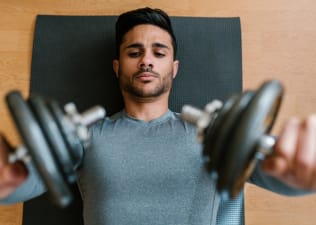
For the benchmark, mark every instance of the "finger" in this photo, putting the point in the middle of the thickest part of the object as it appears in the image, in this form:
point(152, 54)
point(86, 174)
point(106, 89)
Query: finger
point(13, 174)
point(305, 158)
point(280, 162)
point(4, 149)
point(16, 172)
point(313, 180)
point(11, 177)
point(275, 166)
point(287, 141)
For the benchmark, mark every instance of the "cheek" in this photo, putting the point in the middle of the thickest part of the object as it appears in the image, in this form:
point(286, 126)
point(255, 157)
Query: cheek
point(169, 69)
point(128, 65)
point(123, 68)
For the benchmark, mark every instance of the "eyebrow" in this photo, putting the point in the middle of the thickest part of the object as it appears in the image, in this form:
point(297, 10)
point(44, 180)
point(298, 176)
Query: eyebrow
point(140, 45)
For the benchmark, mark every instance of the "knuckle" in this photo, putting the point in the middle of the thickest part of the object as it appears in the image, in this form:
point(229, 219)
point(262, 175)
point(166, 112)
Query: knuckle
point(304, 164)
point(293, 121)
point(310, 122)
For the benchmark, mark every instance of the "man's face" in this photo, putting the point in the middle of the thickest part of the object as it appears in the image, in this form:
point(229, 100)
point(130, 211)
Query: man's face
point(146, 66)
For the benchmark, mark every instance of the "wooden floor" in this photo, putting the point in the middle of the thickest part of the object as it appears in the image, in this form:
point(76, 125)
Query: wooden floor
point(279, 41)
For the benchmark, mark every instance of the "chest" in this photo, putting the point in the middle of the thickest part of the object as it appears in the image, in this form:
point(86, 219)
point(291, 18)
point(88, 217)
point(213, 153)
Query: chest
point(147, 156)
point(153, 172)
point(141, 153)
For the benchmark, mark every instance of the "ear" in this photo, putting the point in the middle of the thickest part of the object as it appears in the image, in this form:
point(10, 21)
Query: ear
point(175, 68)
point(116, 65)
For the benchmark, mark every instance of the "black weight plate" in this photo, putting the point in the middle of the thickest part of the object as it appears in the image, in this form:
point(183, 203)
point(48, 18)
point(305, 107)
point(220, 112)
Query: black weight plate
point(38, 148)
point(257, 120)
point(210, 151)
point(53, 136)
point(73, 143)
point(225, 131)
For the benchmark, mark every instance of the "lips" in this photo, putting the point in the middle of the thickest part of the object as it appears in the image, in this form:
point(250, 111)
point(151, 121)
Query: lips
point(146, 76)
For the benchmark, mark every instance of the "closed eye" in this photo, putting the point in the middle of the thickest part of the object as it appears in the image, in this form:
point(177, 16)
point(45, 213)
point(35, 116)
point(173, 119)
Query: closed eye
point(159, 54)
point(134, 54)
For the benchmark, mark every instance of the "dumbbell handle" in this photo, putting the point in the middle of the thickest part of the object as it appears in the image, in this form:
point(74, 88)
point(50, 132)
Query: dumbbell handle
point(20, 153)
point(265, 146)
point(84, 119)
point(202, 119)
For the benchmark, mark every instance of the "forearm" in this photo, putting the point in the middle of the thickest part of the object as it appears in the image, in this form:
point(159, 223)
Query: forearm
point(31, 188)
point(265, 181)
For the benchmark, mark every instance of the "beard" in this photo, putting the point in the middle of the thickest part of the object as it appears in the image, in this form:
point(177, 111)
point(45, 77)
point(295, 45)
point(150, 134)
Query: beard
point(137, 89)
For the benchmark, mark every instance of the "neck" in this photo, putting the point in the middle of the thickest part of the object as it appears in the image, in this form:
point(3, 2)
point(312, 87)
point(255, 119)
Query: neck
point(146, 109)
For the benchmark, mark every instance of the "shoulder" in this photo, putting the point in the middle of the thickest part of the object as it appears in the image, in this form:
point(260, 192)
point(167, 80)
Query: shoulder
point(105, 122)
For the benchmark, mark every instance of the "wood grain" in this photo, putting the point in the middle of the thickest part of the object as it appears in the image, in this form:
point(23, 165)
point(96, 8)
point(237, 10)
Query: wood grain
point(278, 42)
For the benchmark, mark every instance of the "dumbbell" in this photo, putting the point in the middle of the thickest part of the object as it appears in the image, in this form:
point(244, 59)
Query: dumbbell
point(53, 139)
point(235, 134)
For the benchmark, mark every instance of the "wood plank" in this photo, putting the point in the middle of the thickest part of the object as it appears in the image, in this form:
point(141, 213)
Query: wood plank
point(278, 42)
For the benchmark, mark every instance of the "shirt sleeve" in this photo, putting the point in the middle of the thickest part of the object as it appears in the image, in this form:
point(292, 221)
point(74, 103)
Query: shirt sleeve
point(265, 181)
point(31, 188)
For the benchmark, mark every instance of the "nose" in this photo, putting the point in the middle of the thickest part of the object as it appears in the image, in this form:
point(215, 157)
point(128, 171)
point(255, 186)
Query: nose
point(146, 62)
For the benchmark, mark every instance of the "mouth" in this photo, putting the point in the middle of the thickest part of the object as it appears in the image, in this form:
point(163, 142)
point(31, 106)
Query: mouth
point(146, 76)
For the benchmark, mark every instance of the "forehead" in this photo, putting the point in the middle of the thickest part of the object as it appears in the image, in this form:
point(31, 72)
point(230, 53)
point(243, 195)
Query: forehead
point(146, 33)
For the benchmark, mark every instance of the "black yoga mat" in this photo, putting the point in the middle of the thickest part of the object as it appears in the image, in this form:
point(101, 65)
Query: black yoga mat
point(72, 61)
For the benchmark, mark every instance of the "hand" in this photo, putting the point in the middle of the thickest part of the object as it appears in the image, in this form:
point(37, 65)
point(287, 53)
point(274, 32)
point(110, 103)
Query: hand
point(294, 158)
point(11, 175)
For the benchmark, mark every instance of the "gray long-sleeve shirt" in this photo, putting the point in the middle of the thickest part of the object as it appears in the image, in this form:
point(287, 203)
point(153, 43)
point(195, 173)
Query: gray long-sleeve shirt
point(139, 172)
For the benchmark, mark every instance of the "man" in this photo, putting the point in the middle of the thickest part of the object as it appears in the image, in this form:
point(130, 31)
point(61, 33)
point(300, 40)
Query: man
point(144, 166)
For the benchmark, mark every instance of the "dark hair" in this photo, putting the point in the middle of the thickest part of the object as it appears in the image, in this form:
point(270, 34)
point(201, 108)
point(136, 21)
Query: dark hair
point(130, 19)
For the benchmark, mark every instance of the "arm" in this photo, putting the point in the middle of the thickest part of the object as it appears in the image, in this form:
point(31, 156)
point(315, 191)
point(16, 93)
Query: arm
point(293, 161)
point(266, 181)
point(18, 182)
